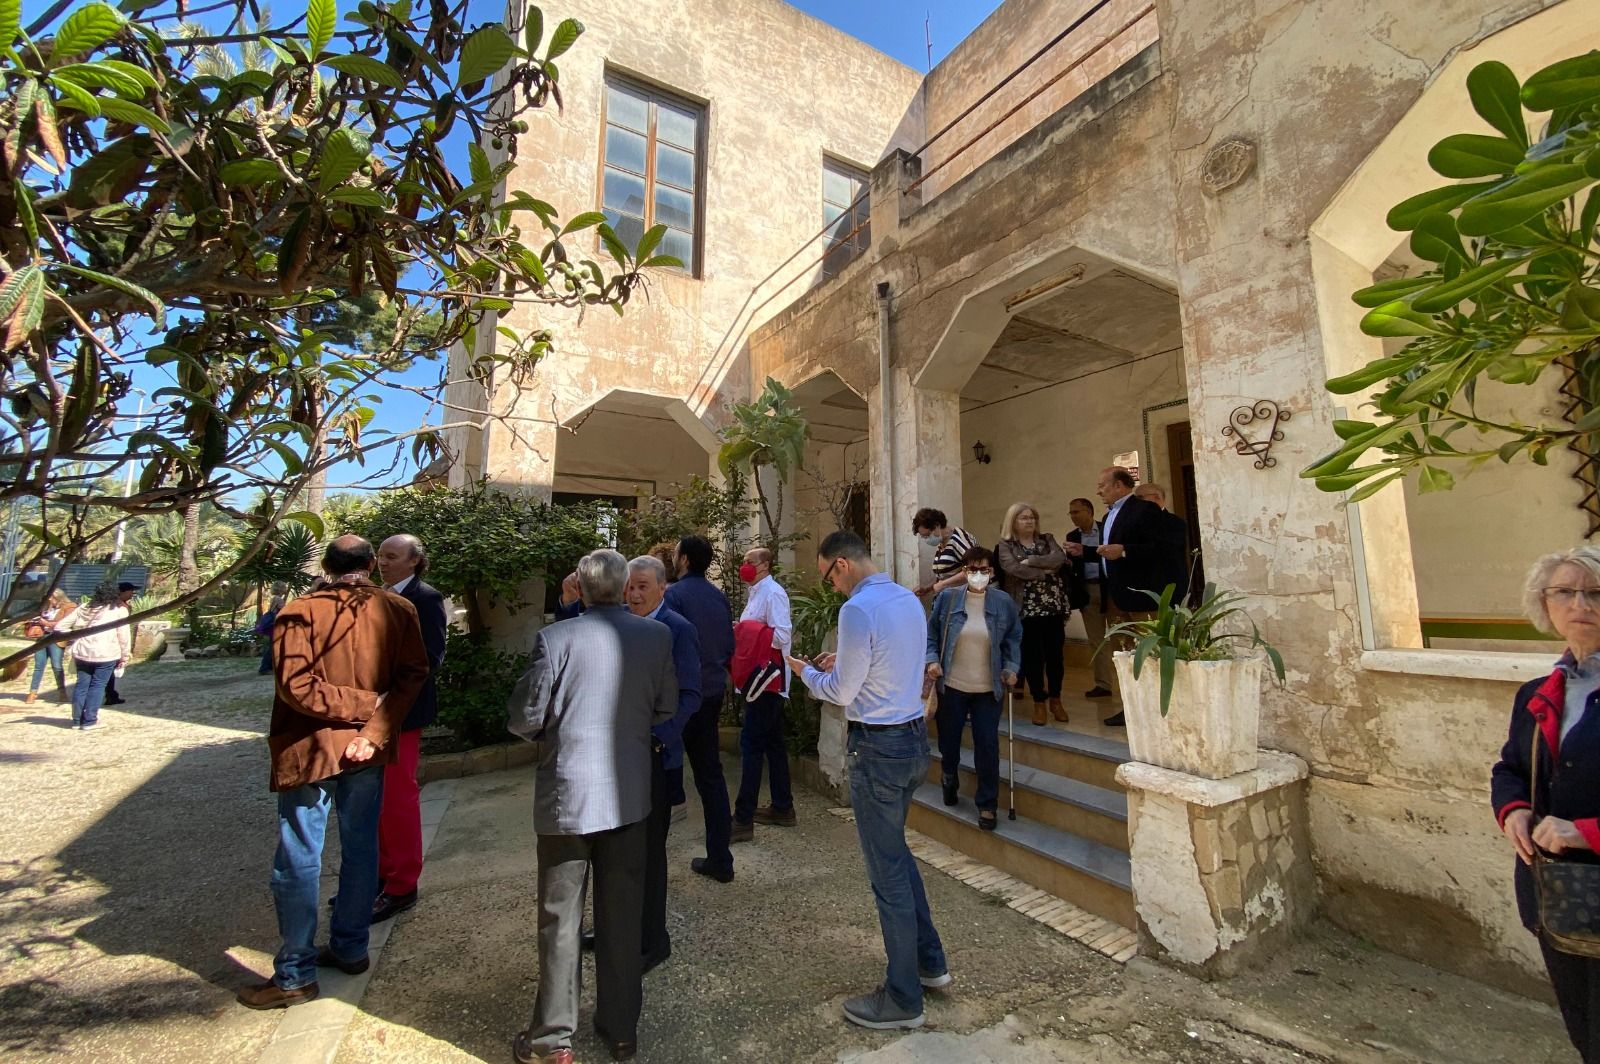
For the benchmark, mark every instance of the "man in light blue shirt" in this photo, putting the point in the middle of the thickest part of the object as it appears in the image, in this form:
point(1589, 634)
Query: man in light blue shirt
point(877, 677)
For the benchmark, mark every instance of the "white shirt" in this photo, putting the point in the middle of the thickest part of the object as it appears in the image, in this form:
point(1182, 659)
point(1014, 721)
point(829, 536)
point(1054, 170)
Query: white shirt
point(769, 604)
point(1111, 518)
point(400, 587)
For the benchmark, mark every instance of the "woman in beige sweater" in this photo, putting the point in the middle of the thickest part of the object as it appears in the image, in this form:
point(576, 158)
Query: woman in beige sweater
point(97, 655)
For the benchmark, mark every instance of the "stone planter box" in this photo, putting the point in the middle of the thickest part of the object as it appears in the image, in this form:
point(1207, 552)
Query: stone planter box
point(1212, 721)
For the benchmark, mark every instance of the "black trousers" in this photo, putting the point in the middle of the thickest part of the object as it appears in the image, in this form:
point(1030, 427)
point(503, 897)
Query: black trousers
point(617, 858)
point(1043, 644)
point(1576, 981)
point(657, 944)
point(704, 755)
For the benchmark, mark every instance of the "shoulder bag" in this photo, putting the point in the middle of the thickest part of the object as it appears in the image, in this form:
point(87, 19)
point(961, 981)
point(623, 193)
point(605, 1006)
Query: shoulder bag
point(1568, 891)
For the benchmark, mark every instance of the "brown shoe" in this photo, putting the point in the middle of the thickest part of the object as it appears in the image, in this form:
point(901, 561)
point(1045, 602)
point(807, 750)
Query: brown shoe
point(522, 1050)
point(768, 815)
point(33, 696)
point(1041, 715)
point(742, 832)
point(272, 996)
point(1057, 710)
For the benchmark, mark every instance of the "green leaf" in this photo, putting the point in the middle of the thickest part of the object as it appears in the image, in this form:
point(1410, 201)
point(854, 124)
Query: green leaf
point(565, 36)
point(1474, 155)
point(367, 68)
point(27, 308)
point(310, 520)
point(88, 27)
point(133, 114)
point(1434, 479)
point(74, 95)
point(359, 197)
point(249, 172)
point(586, 220)
point(1397, 319)
point(533, 29)
point(342, 155)
point(1464, 286)
point(1567, 83)
point(1497, 98)
point(619, 251)
point(1436, 240)
point(131, 71)
point(1371, 488)
point(1388, 291)
point(11, 291)
point(478, 165)
point(10, 22)
point(649, 241)
point(321, 17)
point(484, 52)
point(158, 309)
point(1526, 196)
point(97, 76)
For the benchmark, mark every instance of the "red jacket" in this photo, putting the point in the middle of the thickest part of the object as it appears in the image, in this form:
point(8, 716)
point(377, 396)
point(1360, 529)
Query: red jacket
point(757, 666)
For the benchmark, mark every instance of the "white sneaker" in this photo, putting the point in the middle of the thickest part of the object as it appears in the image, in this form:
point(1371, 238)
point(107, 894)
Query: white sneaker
point(936, 982)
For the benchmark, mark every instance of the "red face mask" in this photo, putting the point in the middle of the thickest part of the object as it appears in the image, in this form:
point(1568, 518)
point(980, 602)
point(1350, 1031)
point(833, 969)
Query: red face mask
point(747, 573)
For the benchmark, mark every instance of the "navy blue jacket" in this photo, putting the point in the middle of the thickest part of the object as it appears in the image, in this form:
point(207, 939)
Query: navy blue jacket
point(704, 605)
point(1569, 781)
point(430, 615)
point(685, 663)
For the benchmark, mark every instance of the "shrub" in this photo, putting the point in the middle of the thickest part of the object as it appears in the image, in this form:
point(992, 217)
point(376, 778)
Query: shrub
point(474, 684)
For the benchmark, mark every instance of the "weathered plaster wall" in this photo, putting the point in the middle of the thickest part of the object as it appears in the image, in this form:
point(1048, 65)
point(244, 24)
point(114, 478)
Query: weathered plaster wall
point(1401, 831)
point(780, 89)
point(1004, 41)
point(618, 453)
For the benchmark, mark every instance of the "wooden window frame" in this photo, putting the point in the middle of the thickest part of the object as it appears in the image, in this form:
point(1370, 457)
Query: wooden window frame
point(654, 96)
point(850, 170)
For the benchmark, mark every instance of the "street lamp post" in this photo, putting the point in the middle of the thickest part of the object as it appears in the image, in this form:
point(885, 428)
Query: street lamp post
point(127, 486)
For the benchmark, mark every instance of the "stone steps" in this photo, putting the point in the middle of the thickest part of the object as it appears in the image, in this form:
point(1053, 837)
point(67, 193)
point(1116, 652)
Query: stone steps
point(1096, 813)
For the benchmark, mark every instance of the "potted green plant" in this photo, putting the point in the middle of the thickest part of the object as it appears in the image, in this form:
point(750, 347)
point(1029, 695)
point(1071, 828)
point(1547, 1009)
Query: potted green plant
point(1200, 711)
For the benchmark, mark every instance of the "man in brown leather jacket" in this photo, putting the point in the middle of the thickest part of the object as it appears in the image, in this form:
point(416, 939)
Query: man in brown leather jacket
point(349, 660)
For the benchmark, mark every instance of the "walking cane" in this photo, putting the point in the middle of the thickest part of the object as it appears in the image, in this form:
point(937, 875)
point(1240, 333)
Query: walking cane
point(1011, 751)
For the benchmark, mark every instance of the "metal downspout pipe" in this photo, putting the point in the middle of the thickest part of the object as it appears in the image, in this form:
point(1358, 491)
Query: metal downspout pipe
point(886, 429)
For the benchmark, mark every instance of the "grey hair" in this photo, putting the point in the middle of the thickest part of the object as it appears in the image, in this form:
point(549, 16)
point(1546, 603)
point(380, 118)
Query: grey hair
point(602, 576)
point(1539, 577)
point(650, 563)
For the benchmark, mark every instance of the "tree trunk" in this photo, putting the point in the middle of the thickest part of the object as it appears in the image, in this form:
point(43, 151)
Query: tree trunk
point(188, 566)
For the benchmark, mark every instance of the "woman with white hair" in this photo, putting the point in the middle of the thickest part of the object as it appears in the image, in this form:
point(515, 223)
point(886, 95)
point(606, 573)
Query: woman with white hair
point(1546, 790)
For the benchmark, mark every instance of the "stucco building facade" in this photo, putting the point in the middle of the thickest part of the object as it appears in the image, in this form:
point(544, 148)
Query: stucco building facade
point(1156, 224)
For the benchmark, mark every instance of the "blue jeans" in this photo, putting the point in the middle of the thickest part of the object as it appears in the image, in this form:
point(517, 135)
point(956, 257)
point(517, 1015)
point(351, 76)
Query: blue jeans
point(955, 709)
point(761, 744)
point(90, 690)
point(886, 767)
point(49, 654)
point(357, 794)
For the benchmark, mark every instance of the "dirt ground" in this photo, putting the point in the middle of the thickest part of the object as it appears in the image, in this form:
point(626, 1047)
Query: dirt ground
point(134, 901)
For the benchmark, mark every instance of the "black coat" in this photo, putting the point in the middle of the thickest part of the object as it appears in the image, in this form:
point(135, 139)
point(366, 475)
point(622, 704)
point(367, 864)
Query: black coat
point(1138, 529)
point(1569, 782)
point(1081, 591)
point(431, 616)
point(1174, 553)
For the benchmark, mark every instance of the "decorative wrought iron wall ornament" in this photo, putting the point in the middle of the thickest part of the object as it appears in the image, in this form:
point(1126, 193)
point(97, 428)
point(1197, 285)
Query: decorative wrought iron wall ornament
point(1588, 472)
point(1264, 410)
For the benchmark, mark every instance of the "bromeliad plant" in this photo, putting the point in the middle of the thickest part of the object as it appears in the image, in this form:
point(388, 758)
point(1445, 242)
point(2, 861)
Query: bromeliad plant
point(1514, 290)
point(1182, 633)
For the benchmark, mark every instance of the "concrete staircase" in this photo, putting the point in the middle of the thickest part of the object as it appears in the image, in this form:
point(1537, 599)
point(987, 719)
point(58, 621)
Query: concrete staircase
point(1070, 837)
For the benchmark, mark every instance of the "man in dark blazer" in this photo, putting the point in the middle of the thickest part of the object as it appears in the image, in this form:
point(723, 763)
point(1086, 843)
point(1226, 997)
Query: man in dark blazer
point(1130, 555)
point(1174, 540)
point(596, 687)
point(401, 562)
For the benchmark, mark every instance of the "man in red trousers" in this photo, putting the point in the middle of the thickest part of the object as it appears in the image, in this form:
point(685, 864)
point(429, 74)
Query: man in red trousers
point(402, 561)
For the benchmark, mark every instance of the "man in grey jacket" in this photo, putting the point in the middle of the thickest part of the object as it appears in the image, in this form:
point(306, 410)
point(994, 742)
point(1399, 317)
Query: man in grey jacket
point(597, 685)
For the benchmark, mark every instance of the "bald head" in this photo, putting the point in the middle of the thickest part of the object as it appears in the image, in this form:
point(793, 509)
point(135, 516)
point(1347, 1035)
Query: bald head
point(1152, 493)
point(347, 554)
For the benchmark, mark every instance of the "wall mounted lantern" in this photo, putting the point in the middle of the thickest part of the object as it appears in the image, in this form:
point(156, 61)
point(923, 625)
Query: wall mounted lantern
point(980, 453)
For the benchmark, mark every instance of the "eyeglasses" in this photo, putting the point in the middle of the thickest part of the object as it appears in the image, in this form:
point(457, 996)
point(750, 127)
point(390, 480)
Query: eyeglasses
point(986, 571)
point(829, 574)
point(1568, 597)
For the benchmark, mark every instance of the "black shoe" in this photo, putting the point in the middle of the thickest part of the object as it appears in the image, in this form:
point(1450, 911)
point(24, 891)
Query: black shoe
point(951, 786)
point(653, 961)
point(326, 959)
point(113, 702)
point(619, 1050)
point(703, 866)
point(387, 905)
point(988, 823)
point(586, 941)
point(1097, 692)
point(1118, 721)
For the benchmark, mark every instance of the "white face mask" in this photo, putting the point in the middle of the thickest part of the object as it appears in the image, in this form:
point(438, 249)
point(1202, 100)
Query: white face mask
point(978, 581)
point(932, 539)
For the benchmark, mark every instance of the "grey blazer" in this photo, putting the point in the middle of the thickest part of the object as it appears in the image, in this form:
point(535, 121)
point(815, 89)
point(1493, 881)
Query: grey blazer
point(597, 684)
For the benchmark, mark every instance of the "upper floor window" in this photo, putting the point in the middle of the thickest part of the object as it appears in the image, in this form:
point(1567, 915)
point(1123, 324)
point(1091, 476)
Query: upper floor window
point(846, 211)
point(651, 169)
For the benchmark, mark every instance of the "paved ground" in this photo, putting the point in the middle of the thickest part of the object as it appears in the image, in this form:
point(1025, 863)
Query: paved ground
point(133, 902)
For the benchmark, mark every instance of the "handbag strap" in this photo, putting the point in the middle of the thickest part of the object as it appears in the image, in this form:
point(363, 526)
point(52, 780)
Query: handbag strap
point(1533, 776)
